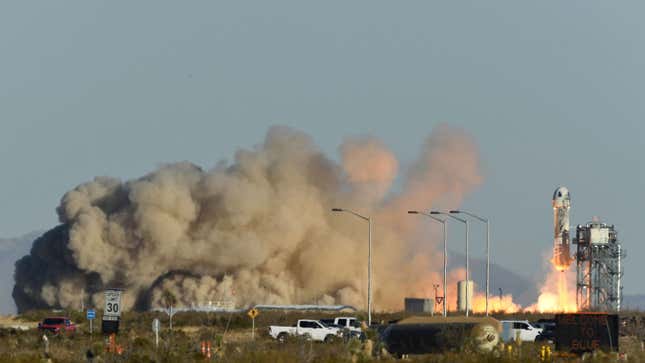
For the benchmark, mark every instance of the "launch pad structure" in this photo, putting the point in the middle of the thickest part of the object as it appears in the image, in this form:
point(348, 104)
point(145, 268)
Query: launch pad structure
point(598, 257)
point(598, 267)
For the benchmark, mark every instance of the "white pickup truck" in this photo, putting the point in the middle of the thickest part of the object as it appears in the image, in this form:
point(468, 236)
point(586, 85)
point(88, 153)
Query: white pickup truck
point(519, 330)
point(350, 325)
point(312, 329)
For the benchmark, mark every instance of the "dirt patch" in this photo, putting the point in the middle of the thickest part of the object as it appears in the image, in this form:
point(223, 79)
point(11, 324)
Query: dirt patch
point(239, 336)
point(631, 345)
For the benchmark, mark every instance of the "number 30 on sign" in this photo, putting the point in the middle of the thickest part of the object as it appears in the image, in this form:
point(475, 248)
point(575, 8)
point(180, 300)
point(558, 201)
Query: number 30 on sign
point(112, 304)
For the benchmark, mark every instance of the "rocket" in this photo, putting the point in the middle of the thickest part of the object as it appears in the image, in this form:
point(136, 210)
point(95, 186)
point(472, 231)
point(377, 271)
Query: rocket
point(561, 204)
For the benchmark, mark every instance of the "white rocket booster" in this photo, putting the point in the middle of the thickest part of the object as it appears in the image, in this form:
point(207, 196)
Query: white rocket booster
point(561, 205)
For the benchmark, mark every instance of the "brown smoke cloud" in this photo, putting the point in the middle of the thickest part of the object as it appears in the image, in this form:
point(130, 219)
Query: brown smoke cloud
point(255, 230)
point(370, 168)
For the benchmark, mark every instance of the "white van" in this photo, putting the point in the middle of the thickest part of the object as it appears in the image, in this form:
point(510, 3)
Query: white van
point(519, 329)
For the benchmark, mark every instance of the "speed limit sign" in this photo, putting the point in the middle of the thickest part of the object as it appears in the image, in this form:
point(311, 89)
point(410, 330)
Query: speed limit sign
point(112, 309)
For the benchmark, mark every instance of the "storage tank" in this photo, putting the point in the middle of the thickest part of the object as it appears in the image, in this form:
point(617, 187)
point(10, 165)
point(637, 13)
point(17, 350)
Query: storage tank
point(461, 295)
point(424, 335)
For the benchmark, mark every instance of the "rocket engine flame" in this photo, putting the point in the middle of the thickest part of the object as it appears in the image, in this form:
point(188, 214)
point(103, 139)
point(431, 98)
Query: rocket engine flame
point(556, 294)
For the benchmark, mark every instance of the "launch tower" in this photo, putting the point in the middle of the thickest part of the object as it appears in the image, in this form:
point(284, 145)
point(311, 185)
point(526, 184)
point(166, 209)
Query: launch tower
point(598, 265)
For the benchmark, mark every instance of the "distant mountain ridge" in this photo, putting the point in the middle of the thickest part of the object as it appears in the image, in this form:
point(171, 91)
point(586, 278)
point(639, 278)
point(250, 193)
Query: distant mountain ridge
point(11, 250)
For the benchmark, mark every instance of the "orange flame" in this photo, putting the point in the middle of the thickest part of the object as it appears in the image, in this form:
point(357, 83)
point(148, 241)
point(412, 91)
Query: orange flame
point(555, 294)
point(495, 304)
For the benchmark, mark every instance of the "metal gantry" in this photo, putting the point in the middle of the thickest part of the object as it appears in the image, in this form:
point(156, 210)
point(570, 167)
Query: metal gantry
point(598, 268)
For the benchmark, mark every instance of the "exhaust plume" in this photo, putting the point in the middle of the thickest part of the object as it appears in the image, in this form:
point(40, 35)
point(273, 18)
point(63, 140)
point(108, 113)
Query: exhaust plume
point(255, 230)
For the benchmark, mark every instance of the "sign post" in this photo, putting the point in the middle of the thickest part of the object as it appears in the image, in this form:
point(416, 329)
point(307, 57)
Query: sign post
point(253, 313)
point(112, 311)
point(91, 315)
point(155, 328)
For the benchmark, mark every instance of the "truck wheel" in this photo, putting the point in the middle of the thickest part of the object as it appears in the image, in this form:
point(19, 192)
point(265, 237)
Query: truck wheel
point(282, 337)
point(330, 339)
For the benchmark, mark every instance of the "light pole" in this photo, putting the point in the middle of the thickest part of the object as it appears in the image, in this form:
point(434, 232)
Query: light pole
point(483, 220)
point(464, 221)
point(369, 260)
point(445, 255)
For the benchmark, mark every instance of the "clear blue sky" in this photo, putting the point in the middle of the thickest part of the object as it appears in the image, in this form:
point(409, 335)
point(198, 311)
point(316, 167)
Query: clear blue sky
point(551, 90)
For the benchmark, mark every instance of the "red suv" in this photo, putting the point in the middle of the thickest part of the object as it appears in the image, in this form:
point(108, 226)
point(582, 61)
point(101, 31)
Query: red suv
point(57, 324)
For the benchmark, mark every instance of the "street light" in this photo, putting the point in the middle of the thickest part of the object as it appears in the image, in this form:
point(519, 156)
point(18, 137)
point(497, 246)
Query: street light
point(464, 221)
point(483, 220)
point(445, 254)
point(369, 260)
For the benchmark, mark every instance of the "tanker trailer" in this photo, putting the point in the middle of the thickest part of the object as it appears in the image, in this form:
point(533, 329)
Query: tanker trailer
point(423, 335)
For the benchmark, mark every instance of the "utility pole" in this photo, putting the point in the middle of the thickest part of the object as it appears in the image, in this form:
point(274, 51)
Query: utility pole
point(369, 259)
